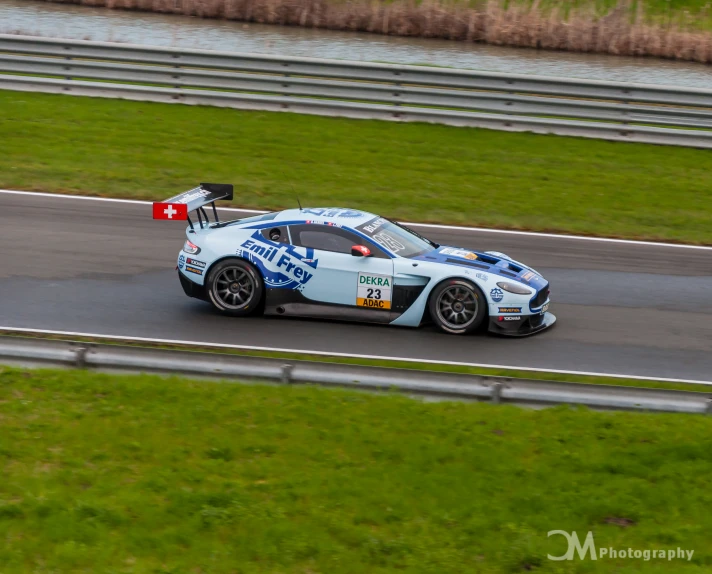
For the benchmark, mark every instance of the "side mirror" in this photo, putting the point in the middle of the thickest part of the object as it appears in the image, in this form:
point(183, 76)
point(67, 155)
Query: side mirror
point(360, 251)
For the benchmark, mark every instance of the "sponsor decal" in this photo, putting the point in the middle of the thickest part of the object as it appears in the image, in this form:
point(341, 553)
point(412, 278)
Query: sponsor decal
point(510, 309)
point(194, 270)
point(462, 253)
point(372, 227)
point(388, 241)
point(181, 261)
point(281, 264)
point(196, 263)
point(545, 308)
point(528, 276)
point(512, 318)
point(374, 291)
point(497, 294)
point(330, 223)
point(333, 212)
point(482, 276)
point(312, 222)
point(191, 195)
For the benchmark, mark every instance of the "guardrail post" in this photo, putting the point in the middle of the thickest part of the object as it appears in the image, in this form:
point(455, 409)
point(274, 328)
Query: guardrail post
point(287, 374)
point(397, 92)
point(497, 393)
point(68, 57)
point(80, 357)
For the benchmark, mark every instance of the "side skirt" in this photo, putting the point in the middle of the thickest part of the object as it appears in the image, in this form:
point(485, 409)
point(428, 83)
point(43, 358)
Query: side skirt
point(292, 303)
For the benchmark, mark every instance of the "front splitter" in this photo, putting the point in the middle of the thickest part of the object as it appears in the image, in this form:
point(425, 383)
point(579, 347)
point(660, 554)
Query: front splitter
point(496, 327)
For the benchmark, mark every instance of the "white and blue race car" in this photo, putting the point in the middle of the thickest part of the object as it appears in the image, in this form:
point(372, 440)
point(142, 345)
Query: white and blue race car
point(346, 264)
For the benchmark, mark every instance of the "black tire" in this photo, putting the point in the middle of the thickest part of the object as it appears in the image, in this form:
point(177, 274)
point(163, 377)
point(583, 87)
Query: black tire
point(235, 287)
point(457, 306)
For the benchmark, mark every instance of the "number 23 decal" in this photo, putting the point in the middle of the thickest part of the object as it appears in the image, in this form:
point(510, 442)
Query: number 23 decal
point(374, 291)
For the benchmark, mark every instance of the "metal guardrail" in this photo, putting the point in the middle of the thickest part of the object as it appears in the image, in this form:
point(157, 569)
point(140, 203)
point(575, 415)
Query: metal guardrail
point(587, 108)
point(524, 392)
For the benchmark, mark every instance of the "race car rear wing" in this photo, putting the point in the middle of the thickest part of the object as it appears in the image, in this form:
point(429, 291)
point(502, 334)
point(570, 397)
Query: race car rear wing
point(195, 199)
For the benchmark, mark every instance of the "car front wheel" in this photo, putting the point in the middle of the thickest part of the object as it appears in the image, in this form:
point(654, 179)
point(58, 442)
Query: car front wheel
point(235, 287)
point(457, 306)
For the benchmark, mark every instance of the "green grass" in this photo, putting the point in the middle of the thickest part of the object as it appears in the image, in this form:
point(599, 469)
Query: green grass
point(689, 14)
point(654, 9)
point(143, 474)
point(414, 172)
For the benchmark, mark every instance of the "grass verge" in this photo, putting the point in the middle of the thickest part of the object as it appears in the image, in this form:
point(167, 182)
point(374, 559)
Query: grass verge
point(415, 172)
point(107, 473)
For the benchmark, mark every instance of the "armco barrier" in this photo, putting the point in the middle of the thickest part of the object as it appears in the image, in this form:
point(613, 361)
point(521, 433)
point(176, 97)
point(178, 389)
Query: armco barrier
point(586, 108)
point(438, 385)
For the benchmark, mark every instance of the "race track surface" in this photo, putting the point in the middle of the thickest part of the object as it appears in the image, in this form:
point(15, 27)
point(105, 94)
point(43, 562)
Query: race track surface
point(108, 268)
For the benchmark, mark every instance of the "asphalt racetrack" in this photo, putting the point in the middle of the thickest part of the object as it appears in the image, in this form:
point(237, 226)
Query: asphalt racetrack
point(107, 268)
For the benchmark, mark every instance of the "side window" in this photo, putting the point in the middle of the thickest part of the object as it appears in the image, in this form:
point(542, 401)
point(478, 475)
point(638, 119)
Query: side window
point(328, 238)
point(325, 241)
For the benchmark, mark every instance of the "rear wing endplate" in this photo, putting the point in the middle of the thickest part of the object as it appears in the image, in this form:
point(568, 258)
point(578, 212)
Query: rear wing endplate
point(195, 199)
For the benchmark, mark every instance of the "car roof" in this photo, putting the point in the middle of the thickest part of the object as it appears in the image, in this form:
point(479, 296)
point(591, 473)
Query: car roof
point(341, 216)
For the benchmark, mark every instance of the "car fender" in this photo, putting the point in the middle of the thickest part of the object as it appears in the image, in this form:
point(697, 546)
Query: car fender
point(214, 247)
point(437, 273)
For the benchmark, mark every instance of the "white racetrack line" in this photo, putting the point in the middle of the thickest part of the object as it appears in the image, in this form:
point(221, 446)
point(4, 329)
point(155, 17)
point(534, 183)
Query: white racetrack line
point(194, 344)
point(424, 225)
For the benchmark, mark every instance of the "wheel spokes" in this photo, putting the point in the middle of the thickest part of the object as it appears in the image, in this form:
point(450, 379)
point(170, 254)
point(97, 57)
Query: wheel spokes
point(457, 306)
point(234, 287)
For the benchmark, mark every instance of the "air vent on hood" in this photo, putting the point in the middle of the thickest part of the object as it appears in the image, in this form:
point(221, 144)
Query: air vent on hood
point(488, 259)
point(500, 263)
point(468, 263)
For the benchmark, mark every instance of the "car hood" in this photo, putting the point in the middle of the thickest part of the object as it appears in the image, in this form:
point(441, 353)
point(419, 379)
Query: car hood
point(488, 261)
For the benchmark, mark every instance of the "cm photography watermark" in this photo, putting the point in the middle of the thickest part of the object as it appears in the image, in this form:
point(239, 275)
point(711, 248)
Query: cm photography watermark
point(589, 548)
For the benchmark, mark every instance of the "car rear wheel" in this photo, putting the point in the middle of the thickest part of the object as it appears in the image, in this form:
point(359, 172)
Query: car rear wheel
point(235, 287)
point(457, 306)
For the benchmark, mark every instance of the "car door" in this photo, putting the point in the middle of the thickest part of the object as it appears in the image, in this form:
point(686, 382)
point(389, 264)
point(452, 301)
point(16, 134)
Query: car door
point(345, 286)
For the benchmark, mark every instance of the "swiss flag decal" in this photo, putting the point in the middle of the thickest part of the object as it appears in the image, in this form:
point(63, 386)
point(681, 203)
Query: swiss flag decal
point(170, 211)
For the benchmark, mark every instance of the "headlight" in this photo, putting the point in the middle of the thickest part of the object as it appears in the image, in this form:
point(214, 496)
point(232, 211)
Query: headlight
point(191, 248)
point(514, 288)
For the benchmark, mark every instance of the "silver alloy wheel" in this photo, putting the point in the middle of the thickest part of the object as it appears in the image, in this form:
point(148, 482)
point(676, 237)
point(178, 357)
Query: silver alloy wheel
point(457, 307)
point(234, 287)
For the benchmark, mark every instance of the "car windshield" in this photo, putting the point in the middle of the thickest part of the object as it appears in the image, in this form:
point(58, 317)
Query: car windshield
point(396, 238)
